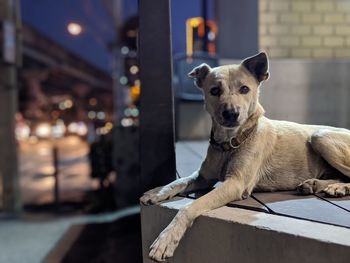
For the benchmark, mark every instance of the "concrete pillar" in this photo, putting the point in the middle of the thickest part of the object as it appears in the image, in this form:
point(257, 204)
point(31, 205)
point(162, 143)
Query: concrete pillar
point(157, 148)
point(8, 107)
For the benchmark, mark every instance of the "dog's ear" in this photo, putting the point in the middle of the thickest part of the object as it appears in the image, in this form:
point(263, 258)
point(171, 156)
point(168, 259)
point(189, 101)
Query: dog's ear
point(258, 66)
point(199, 74)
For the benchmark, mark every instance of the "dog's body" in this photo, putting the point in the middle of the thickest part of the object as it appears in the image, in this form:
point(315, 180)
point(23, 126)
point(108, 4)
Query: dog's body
point(251, 152)
point(281, 156)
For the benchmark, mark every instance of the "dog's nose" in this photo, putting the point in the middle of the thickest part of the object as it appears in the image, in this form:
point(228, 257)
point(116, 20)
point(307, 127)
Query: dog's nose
point(230, 115)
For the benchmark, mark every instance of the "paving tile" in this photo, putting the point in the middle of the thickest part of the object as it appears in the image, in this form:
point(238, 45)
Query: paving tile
point(336, 211)
point(292, 205)
point(343, 202)
point(304, 207)
point(248, 203)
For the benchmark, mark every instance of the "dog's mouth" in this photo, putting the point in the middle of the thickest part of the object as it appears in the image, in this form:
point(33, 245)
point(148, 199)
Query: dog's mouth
point(229, 124)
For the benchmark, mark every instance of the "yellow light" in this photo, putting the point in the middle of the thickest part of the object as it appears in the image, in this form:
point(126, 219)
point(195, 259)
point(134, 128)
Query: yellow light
point(135, 92)
point(190, 24)
point(74, 29)
point(189, 39)
point(196, 21)
point(109, 125)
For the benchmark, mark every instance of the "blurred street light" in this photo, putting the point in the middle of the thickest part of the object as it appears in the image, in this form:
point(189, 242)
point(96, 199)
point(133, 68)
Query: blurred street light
point(59, 129)
point(43, 130)
point(22, 131)
point(74, 29)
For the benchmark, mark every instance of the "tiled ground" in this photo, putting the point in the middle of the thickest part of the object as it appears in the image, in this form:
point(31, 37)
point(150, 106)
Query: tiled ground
point(335, 211)
point(38, 238)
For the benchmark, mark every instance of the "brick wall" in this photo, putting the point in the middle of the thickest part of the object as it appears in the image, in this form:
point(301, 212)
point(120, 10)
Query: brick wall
point(305, 28)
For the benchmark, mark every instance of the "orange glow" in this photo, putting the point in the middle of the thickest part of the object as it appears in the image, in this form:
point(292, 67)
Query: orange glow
point(135, 92)
point(190, 24)
point(197, 22)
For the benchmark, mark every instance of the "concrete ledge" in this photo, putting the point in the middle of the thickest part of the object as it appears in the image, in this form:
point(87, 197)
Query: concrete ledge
point(238, 235)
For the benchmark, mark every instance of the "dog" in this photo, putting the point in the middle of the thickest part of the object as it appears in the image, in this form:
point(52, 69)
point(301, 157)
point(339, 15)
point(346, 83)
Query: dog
point(248, 151)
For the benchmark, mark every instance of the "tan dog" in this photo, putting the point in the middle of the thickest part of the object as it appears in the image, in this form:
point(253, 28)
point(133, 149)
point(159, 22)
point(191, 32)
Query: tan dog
point(250, 152)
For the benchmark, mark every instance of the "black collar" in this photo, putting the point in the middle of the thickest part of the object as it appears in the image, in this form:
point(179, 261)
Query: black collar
point(233, 143)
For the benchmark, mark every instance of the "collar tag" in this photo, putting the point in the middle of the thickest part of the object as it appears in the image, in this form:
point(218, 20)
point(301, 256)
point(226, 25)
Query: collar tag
point(232, 145)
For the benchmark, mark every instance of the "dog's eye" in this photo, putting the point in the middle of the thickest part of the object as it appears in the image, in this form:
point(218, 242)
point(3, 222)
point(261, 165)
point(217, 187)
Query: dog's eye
point(215, 91)
point(244, 90)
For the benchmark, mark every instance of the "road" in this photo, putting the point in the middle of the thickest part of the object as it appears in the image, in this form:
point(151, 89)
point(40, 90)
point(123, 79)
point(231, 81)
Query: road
point(36, 170)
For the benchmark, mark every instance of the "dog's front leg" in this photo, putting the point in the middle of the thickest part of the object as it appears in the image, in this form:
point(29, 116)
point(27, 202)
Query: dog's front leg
point(193, 182)
point(165, 245)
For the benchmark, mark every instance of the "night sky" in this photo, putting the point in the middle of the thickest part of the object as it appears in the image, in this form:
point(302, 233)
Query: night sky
point(51, 17)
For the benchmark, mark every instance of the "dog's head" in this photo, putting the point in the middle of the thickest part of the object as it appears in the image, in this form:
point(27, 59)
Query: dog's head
point(231, 92)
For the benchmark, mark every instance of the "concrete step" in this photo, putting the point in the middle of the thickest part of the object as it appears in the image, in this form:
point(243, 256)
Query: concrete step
point(230, 234)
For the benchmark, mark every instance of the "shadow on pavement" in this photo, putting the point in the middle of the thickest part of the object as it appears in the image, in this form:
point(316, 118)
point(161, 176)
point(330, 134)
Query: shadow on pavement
point(117, 241)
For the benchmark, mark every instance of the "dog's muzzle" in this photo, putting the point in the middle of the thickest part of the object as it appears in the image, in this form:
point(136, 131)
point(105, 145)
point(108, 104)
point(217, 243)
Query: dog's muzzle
point(230, 118)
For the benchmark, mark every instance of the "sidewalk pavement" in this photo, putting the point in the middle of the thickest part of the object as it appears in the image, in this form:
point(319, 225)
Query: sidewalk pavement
point(28, 239)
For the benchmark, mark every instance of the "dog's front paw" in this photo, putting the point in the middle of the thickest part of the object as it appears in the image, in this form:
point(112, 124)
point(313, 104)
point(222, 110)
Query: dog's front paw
point(337, 189)
point(154, 196)
point(311, 186)
point(164, 246)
